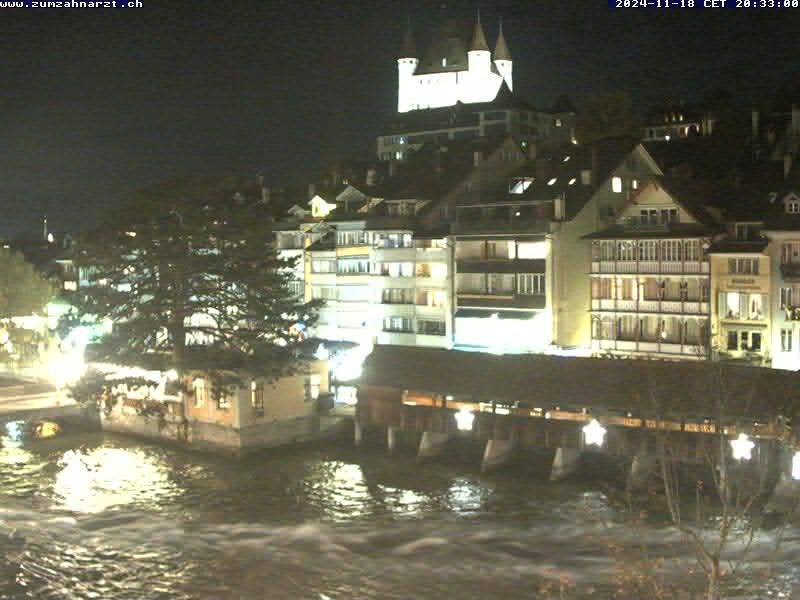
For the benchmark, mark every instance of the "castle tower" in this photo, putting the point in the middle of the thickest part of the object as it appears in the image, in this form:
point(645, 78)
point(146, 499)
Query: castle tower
point(502, 58)
point(479, 57)
point(406, 66)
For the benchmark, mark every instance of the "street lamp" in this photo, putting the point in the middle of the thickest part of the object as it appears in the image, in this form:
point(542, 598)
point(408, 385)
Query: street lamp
point(465, 419)
point(594, 433)
point(742, 447)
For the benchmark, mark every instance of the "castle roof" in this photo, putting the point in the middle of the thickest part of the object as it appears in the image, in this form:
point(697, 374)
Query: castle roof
point(501, 51)
point(447, 51)
point(408, 48)
point(478, 38)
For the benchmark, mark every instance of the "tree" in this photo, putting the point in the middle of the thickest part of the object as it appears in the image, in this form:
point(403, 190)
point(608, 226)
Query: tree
point(729, 494)
point(23, 291)
point(607, 115)
point(188, 275)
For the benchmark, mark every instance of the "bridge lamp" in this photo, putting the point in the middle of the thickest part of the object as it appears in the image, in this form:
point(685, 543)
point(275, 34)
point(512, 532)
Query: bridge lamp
point(465, 419)
point(796, 466)
point(594, 434)
point(742, 447)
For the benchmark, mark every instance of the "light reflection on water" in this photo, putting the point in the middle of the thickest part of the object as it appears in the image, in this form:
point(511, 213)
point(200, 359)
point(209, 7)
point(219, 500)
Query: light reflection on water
point(104, 517)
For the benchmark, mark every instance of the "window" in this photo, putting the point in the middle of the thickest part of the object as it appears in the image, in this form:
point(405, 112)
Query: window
point(530, 284)
point(649, 216)
point(435, 298)
point(790, 253)
point(397, 324)
point(733, 340)
point(691, 250)
point(223, 402)
point(671, 250)
point(786, 340)
point(558, 122)
point(444, 62)
point(669, 215)
point(793, 207)
point(626, 250)
point(200, 393)
point(396, 269)
point(733, 305)
point(532, 250)
point(323, 266)
point(743, 266)
point(257, 398)
point(519, 184)
point(311, 387)
point(352, 293)
point(616, 185)
point(397, 296)
point(323, 292)
point(786, 297)
point(500, 283)
point(648, 250)
point(70, 286)
point(352, 238)
point(429, 327)
point(635, 184)
point(353, 266)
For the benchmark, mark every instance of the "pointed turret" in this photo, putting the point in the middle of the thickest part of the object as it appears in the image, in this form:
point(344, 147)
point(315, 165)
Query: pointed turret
point(478, 42)
point(408, 48)
point(501, 51)
point(406, 66)
point(502, 58)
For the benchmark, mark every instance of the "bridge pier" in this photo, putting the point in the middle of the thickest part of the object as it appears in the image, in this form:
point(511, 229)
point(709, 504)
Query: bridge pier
point(358, 432)
point(391, 437)
point(431, 445)
point(565, 463)
point(642, 467)
point(496, 454)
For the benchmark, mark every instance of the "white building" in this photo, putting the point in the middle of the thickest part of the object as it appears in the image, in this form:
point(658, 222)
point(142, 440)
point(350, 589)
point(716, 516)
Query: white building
point(452, 69)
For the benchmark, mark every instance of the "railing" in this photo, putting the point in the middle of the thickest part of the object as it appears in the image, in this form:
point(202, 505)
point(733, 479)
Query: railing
point(681, 307)
point(790, 270)
point(651, 266)
point(515, 224)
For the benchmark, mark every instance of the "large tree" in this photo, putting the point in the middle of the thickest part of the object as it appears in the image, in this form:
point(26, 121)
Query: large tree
point(606, 115)
point(23, 291)
point(188, 275)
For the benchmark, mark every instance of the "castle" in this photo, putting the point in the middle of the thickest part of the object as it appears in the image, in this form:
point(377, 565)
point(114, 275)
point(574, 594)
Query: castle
point(452, 70)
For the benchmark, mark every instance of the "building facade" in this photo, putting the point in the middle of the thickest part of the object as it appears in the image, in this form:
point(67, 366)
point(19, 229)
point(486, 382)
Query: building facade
point(651, 276)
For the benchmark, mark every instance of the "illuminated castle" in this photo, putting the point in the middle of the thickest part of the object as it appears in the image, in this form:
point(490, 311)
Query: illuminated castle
point(450, 70)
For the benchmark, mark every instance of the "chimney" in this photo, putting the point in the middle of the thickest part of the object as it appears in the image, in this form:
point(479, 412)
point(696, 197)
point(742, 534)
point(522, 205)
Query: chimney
point(787, 164)
point(754, 121)
point(312, 190)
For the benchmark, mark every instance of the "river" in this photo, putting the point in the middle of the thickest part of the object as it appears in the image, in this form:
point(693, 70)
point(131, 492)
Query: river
point(96, 516)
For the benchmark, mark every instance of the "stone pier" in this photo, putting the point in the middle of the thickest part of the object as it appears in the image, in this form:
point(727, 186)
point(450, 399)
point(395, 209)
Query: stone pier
point(565, 463)
point(431, 445)
point(496, 454)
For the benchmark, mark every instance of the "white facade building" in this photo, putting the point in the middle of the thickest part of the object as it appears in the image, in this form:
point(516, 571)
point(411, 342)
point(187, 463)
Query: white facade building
point(450, 71)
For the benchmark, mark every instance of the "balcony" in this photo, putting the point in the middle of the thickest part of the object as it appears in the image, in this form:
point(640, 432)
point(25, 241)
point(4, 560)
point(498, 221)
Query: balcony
point(500, 265)
point(673, 307)
point(510, 225)
point(477, 299)
point(688, 349)
point(790, 271)
point(651, 267)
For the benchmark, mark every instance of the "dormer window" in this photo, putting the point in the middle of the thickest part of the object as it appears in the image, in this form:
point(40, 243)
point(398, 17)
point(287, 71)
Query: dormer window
point(793, 207)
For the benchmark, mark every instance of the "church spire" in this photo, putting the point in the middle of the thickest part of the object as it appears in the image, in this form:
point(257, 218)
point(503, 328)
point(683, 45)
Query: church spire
point(408, 48)
point(501, 51)
point(478, 37)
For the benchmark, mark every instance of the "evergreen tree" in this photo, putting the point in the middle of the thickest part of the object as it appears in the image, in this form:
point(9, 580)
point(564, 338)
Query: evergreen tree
point(189, 277)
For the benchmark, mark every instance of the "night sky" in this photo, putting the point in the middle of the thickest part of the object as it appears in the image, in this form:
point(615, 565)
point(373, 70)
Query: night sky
point(95, 103)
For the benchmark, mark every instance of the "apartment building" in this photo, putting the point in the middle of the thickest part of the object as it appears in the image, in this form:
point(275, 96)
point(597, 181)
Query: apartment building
point(650, 273)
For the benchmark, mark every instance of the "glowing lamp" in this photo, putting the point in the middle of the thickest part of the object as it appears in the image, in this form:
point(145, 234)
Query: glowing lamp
point(594, 434)
point(465, 420)
point(742, 447)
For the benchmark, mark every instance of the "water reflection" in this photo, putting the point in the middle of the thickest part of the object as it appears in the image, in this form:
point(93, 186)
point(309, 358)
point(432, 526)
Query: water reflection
point(93, 480)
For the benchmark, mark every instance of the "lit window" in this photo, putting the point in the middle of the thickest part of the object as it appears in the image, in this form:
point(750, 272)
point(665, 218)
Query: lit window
point(311, 387)
point(444, 62)
point(70, 286)
point(223, 402)
point(572, 181)
point(257, 398)
point(558, 122)
point(635, 184)
point(793, 207)
point(786, 340)
point(616, 184)
point(552, 181)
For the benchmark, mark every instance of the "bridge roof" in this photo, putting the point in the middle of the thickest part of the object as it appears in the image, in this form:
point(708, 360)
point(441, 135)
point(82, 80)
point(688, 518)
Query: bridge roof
point(643, 387)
